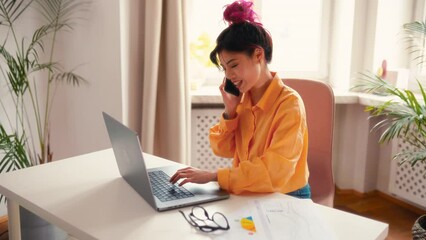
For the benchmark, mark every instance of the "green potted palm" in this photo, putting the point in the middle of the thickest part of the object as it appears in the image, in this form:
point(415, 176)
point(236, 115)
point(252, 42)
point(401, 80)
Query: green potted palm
point(29, 76)
point(404, 116)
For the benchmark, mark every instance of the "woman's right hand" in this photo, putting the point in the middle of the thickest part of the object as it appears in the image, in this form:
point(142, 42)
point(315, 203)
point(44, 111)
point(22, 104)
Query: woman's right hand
point(231, 102)
point(194, 175)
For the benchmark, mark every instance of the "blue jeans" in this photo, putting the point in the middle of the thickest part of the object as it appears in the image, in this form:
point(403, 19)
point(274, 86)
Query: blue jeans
point(304, 192)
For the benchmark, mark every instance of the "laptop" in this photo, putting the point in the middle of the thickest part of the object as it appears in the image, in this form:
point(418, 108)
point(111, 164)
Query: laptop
point(153, 184)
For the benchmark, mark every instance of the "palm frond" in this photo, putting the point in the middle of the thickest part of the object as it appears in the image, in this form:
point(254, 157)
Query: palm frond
point(415, 33)
point(37, 43)
point(13, 148)
point(412, 102)
point(10, 10)
point(371, 83)
point(393, 128)
point(44, 66)
point(413, 157)
point(400, 115)
point(415, 140)
point(61, 13)
point(380, 110)
point(422, 90)
point(69, 78)
point(16, 73)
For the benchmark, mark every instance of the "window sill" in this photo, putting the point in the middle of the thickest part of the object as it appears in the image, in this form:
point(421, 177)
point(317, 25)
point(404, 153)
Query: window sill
point(210, 95)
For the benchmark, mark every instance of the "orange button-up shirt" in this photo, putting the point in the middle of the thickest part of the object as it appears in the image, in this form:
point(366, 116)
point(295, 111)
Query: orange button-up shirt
point(268, 141)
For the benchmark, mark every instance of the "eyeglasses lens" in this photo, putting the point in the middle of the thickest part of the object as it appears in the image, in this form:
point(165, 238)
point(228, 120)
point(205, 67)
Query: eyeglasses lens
point(220, 220)
point(200, 213)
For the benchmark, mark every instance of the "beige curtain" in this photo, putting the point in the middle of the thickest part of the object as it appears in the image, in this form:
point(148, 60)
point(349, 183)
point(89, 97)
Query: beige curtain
point(156, 100)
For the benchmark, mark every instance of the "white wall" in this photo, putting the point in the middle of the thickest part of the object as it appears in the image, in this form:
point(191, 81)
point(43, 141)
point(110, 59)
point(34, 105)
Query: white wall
point(93, 48)
point(353, 146)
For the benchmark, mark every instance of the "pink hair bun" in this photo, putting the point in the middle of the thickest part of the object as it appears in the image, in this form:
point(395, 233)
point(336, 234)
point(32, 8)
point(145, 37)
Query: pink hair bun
point(240, 11)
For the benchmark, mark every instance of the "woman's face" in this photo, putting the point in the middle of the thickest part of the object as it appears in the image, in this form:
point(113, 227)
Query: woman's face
point(244, 71)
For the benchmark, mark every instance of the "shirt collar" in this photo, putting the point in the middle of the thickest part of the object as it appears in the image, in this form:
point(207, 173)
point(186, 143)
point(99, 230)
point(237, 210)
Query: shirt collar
point(271, 94)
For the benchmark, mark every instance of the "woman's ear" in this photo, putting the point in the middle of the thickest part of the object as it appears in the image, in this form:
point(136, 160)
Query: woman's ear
point(259, 54)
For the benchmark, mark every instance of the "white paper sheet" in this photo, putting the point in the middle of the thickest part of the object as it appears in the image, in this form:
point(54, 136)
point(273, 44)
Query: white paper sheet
point(278, 219)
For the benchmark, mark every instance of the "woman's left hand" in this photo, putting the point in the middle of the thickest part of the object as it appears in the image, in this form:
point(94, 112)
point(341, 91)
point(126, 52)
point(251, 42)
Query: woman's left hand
point(193, 175)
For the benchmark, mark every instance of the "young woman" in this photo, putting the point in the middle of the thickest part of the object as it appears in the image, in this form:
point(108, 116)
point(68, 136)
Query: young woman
point(264, 128)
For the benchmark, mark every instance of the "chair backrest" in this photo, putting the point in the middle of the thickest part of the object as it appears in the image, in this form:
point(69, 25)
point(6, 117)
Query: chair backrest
point(318, 98)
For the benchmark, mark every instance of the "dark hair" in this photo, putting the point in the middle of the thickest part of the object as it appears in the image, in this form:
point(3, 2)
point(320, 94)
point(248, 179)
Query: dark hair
point(243, 34)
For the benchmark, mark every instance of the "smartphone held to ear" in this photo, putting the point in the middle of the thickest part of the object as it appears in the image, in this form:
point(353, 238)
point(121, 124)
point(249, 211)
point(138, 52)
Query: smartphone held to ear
point(231, 88)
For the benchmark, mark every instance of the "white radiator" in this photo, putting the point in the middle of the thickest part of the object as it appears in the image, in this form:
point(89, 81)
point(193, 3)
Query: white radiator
point(202, 156)
point(408, 182)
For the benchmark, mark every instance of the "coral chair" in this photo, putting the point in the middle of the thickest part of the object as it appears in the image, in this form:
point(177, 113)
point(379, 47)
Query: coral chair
point(318, 98)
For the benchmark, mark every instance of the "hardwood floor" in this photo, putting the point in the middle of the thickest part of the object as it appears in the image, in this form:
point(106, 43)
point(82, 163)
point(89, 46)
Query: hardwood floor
point(375, 205)
point(3, 228)
point(378, 206)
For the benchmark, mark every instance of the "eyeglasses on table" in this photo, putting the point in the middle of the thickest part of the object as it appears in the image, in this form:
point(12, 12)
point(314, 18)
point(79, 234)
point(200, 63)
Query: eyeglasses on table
point(200, 219)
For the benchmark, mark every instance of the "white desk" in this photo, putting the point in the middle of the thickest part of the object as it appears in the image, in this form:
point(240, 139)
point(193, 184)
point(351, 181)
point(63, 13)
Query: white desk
point(86, 197)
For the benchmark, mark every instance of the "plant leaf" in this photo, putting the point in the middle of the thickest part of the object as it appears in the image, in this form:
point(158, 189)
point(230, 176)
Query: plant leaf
point(61, 13)
point(10, 10)
point(70, 78)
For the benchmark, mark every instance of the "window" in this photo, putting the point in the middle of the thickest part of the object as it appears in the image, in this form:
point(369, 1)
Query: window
point(299, 30)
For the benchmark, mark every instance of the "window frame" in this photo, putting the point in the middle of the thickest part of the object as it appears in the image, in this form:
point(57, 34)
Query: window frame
point(322, 72)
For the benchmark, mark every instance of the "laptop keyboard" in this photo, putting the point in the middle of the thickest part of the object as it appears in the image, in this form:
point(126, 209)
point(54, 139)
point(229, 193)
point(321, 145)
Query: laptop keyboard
point(164, 190)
